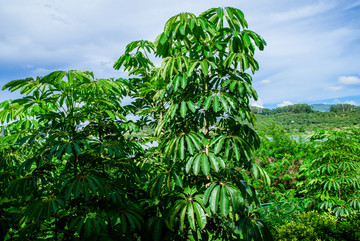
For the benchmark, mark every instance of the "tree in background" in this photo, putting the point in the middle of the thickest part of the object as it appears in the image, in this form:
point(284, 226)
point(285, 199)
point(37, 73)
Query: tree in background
point(333, 178)
point(297, 108)
point(342, 107)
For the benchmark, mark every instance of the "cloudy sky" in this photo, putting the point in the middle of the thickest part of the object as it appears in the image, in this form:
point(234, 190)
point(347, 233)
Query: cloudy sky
point(313, 52)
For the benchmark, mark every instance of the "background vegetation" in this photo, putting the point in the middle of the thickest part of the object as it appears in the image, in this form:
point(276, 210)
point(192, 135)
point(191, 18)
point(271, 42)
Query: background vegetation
point(72, 167)
point(302, 118)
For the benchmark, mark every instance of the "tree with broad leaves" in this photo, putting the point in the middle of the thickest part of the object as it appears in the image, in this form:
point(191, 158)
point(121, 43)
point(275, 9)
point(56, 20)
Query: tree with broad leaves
point(68, 169)
point(198, 98)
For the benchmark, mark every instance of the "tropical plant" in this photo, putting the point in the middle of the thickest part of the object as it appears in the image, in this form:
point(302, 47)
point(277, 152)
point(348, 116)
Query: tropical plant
point(198, 97)
point(66, 165)
point(71, 170)
point(333, 178)
point(313, 225)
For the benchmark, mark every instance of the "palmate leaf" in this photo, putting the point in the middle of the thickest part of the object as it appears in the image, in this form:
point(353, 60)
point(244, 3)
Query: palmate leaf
point(43, 209)
point(252, 228)
point(82, 185)
point(23, 186)
point(188, 210)
point(355, 203)
point(223, 198)
point(88, 225)
point(169, 179)
point(205, 162)
point(259, 172)
point(184, 143)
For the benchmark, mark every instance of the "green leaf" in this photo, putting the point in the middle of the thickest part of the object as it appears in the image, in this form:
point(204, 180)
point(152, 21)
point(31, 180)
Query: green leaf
point(184, 80)
point(163, 38)
point(196, 165)
point(182, 148)
point(177, 178)
point(68, 148)
point(191, 216)
point(233, 196)
point(190, 145)
point(156, 230)
point(224, 103)
point(192, 68)
point(214, 199)
point(200, 215)
point(207, 102)
point(183, 109)
point(189, 164)
point(179, 204)
point(246, 39)
point(77, 149)
point(208, 192)
point(224, 202)
point(195, 140)
point(191, 106)
point(182, 29)
point(214, 162)
point(205, 164)
point(219, 145)
point(111, 115)
point(216, 104)
point(237, 151)
point(182, 218)
point(204, 67)
point(177, 81)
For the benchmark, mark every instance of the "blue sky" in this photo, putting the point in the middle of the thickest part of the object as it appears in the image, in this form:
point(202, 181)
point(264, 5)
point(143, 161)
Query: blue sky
point(312, 55)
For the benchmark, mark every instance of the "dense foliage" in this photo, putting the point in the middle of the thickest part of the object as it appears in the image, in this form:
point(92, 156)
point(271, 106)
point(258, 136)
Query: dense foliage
point(343, 107)
point(192, 167)
point(319, 226)
point(319, 173)
point(333, 177)
point(66, 166)
point(305, 108)
point(71, 168)
point(310, 122)
point(195, 98)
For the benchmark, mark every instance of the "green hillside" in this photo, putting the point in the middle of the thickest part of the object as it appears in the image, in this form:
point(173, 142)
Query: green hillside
point(299, 118)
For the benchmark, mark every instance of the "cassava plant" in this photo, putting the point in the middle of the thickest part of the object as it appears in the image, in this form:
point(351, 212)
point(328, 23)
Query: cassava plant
point(333, 178)
point(198, 97)
point(67, 170)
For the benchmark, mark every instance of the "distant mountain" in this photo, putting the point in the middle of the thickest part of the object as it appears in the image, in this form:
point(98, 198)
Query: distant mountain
point(321, 107)
point(353, 100)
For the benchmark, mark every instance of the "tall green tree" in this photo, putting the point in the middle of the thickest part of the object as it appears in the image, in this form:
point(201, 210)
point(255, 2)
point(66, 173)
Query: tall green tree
point(202, 91)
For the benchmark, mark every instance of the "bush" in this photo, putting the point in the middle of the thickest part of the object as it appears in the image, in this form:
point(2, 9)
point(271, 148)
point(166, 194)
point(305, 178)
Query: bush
point(315, 226)
point(333, 178)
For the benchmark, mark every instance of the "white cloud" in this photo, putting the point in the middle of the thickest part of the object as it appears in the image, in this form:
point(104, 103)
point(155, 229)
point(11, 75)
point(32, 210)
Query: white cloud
point(257, 103)
point(303, 11)
point(310, 42)
point(335, 88)
point(349, 80)
point(285, 103)
point(351, 102)
point(265, 81)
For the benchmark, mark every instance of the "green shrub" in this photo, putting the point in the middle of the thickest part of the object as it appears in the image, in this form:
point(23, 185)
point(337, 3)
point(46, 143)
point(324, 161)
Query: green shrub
point(315, 226)
point(282, 212)
point(333, 178)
